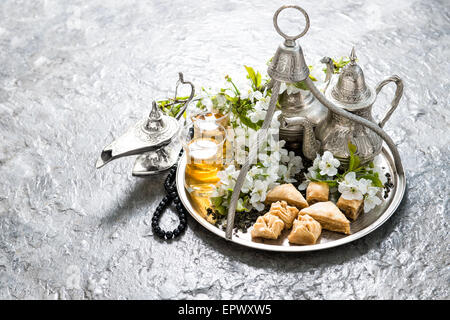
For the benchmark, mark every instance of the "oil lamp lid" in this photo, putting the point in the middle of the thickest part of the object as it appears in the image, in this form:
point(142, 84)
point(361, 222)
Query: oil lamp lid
point(158, 127)
point(350, 90)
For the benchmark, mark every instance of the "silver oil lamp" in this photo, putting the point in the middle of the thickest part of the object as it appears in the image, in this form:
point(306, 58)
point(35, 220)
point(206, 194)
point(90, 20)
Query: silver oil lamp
point(288, 65)
point(349, 92)
point(152, 138)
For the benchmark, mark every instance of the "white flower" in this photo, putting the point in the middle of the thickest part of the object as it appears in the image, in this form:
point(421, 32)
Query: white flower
point(221, 100)
point(282, 170)
point(218, 192)
point(258, 206)
point(248, 184)
point(350, 187)
point(371, 200)
point(257, 115)
point(256, 95)
point(207, 102)
point(283, 88)
point(377, 168)
point(264, 103)
point(245, 91)
point(302, 186)
point(294, 162)
point(316, 162)
point(272, 172)
point(286, 174)
point(228, 176)
point(276, 148)
point(364, 185)
point(255, 171)
point(258, 195)
point(329, 164)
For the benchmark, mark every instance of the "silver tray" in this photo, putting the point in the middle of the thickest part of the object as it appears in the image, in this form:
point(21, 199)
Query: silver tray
point(365, 224)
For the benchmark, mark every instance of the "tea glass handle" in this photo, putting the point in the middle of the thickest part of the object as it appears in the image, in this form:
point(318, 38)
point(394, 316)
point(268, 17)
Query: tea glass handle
point(398, 95)
point(290, 39)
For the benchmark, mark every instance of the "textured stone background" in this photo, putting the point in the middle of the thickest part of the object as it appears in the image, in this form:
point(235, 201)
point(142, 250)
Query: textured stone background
point(74, 75)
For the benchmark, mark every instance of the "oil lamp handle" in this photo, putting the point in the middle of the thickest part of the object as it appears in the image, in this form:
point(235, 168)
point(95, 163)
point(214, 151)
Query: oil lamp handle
point(185, 103)
point(290, 39)
point(398, 95)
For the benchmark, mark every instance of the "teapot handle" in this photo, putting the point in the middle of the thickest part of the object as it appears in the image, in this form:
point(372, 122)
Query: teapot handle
point(398, 95)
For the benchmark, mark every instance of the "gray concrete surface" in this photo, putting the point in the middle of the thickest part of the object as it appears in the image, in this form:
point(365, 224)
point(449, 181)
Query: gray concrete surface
point(75, 74)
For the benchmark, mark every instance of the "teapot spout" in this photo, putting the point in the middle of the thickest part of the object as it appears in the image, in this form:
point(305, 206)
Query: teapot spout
point(311, 146)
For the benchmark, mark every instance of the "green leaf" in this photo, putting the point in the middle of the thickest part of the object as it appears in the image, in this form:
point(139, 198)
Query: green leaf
point(301, 85)
point(221, 210)
point(246, 121)
point(356, 162)
point(216, 201)
point(255, 77)
point(310, 76)
point(351, 162)
point(351, 148)
point(331, 183)
point(374, 178)
point(258, 80)
point(241, 207)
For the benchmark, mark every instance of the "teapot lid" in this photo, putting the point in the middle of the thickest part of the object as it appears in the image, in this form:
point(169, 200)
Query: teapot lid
point(350, 89)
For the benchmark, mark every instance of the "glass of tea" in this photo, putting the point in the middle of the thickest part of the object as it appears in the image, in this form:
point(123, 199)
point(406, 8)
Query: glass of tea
point(203, 142)
point(214, 116)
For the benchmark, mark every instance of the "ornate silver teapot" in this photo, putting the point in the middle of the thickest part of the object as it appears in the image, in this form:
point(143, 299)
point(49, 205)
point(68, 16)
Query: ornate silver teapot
point(301, 104)
point(349, 91)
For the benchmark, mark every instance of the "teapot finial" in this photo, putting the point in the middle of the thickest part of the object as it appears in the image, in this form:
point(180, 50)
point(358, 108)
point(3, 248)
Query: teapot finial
point(351, 86)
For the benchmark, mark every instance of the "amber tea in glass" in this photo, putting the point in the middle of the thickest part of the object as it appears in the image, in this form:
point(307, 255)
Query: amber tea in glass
point(204, 154)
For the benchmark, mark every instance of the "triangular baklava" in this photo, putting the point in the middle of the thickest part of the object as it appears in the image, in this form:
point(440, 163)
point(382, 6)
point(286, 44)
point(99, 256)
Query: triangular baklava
point(288, 193)
point(329, 216)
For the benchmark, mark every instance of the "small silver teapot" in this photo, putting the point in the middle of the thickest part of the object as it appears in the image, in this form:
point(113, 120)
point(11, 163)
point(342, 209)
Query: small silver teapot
point(349, 91)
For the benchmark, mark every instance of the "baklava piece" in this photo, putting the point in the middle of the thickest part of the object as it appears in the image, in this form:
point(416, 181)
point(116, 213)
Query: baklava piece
point(285, 212)
point(317, 192)
point(288, 193)
point(329, 216)
point(201, 205)
point(267, 226)
point(306, 230)
point(351, 208)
